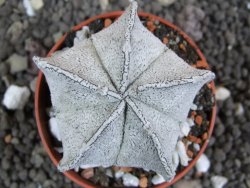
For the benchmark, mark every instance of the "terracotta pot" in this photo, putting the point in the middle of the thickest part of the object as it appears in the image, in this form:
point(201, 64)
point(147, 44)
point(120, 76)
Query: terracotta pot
point(42, 101)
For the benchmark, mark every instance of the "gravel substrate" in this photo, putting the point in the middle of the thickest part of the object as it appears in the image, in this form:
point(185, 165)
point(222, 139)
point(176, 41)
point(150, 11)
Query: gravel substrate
point(225, 42)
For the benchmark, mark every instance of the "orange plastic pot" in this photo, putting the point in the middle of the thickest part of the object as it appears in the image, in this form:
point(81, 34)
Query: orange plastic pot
point(42, 101)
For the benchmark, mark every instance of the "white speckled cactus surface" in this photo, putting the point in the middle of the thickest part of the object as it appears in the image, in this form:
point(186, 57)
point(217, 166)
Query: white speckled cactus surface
point(120, 96)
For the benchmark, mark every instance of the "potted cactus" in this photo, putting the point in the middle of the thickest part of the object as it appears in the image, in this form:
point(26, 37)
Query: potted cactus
point(127, 90)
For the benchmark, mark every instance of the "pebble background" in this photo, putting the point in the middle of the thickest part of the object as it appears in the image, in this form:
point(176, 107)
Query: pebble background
point(221, 29)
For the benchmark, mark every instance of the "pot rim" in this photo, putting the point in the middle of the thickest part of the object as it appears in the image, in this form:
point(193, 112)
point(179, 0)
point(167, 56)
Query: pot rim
point(54, 155)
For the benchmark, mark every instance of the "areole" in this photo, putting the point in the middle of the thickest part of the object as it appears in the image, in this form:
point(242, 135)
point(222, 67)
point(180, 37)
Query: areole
point(42, 101)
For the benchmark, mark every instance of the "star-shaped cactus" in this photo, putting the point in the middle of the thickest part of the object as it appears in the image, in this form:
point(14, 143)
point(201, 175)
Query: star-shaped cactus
point(120, 96)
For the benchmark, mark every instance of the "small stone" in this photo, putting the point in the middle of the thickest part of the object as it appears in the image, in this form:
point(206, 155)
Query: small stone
point(104, 4)
point(57, 36)
point(181, 149)
point(16, 97)
point(203, 164)
point(239, 109)
point(185, 128)
point(17, 63)
point(87, 173)
point(126, 169)
point(8, 138)
point(15, 31)
point(197, 147)
point(2, 2)
point(166, 2)
point(130, 180)
point(188, 184)
point(54, 128)
point(157, 179)
point(36, 4)
point(119, 174)
point(107, 22)
point(33, 84)
point(109, 173)
point(165, 40)
point(28, 7)
point(222, 93)
point(219, 155)
point(183, 48)
point(190, 154)
point(205, 136)
point(219, 181)
point(198, 120)
point(176, 159)
point(143, 182)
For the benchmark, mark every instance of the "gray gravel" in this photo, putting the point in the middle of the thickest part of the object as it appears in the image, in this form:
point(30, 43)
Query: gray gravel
point(223, 35)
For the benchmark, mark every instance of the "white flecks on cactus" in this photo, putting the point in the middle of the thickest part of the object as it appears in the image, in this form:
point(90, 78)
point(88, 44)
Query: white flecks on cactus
point(181, 149)
point(185, 128)
point(130, 180)
point(222, 93)
point(54, 129)
point(119, 174)
point(219, 181)
point(202, 164)
point(119, 90)
point(158, 179)
point(81, 35)
point(15, 97)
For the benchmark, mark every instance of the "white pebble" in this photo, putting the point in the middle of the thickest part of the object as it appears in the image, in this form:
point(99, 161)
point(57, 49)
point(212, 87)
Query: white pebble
point(16, 97)
point(28, 7)
point(248, 5)
point(81, 35)
point(219, 181)
point(157, 179)
point(33, 84)
point(181, 149)
point(202, 164)
point(109, 173)
point(185, 128)
point(119, 174)
point(193, 107)
point(59, 149)
point(222, 93)
point(54, 128)
point(197, 147)
point(175, 158)
point(239, 109)
point(130, 180)
point(190, 121)
point(166, 2)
